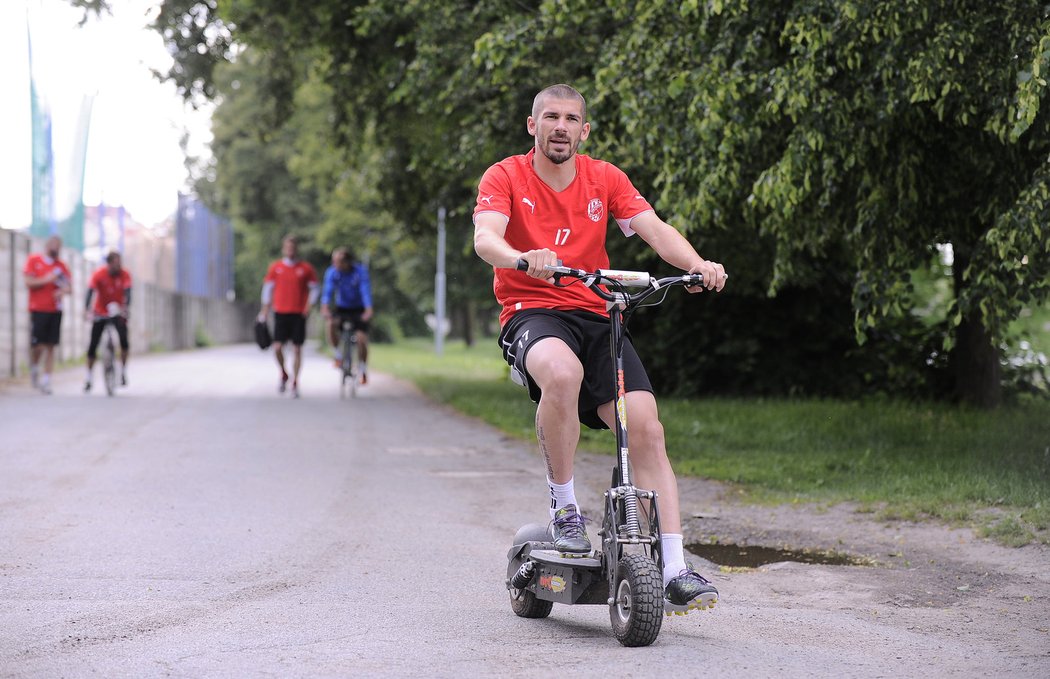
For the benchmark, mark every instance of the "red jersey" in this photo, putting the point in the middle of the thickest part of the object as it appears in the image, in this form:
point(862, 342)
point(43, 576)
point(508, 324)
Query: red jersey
point(46, 297)
point(572, 223)
point(291, 285)
point(108, 288)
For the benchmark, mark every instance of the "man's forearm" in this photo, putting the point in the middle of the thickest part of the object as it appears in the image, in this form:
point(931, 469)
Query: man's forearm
point(673, 247)
point(495, 250)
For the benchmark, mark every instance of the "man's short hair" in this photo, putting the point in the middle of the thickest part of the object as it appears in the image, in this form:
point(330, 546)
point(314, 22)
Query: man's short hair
point(113, 255)
point(290, 237)
point(559, 91)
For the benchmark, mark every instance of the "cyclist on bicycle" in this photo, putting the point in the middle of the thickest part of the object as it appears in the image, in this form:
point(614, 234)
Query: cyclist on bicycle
point(346, 294)
point(113, 285)
point(551, 204)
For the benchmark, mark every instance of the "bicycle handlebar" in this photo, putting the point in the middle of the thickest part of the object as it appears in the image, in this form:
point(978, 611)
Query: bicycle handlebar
point(619, 279)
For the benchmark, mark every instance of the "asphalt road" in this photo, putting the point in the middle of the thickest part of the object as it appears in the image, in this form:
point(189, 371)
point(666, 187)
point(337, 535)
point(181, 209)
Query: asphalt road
point(200, 525)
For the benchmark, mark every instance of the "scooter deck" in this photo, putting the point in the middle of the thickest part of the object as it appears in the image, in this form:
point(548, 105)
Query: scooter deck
point(554, 558)
point(563, 579)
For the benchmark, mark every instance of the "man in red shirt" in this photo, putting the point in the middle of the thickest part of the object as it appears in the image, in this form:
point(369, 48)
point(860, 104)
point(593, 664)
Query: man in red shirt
point(48, 280)
point(552, 204)
point(290, 288)
point(112, 283)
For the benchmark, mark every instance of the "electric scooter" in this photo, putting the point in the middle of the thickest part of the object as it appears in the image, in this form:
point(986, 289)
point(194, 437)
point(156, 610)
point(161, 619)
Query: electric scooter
point(626, 572)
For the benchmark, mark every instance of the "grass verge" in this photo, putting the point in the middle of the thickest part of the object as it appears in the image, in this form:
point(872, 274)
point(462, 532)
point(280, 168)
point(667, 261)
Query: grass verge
point(899, 460)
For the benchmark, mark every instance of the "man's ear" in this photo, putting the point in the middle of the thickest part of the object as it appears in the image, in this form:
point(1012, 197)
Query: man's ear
point(530, 126)
point(585, 132)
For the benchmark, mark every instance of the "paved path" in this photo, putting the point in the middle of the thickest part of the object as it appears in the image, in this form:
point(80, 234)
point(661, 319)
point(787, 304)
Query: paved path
point(199, 525)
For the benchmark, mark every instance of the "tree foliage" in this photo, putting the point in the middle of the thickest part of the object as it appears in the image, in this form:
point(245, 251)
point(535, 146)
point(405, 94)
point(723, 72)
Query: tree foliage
point(823, 149)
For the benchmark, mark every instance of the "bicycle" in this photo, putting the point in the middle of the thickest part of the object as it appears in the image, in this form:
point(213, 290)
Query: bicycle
point(349, 378)
point(631, 584)
point(110, 341)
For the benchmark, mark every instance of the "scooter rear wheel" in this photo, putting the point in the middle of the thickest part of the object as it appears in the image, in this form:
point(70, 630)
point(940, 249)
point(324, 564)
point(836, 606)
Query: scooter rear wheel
point(638, 601)
point(525, 604)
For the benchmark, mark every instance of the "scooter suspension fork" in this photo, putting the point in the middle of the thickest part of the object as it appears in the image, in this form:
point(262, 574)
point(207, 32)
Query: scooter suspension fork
point(630, 498)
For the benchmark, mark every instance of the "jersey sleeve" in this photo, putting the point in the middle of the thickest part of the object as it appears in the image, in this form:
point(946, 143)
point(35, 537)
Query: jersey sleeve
point(271, 276)
point(625, 202)
point(366, 288)
point(30, 269)
point(326, 285)
point(494, 192)
point(93, 282)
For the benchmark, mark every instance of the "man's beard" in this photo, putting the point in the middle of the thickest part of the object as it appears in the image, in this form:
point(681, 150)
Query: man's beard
point(559, 157)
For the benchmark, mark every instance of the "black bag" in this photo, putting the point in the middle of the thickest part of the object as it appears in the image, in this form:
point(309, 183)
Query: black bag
point(262, 334)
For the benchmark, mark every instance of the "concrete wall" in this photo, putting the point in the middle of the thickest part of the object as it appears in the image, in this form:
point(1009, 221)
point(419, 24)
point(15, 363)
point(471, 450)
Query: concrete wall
point(160, 319)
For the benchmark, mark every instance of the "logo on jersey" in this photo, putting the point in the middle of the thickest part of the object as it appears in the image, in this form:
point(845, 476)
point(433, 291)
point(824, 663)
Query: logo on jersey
point(487, 200)
point(532, 206)
point(595, 209)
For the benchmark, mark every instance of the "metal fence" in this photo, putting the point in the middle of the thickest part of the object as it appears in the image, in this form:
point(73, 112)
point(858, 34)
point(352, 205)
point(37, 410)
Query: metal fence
point(160, 319)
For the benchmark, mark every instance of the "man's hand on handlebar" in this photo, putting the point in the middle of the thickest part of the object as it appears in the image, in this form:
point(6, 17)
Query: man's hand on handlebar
point(714, 276)
point(537, 260)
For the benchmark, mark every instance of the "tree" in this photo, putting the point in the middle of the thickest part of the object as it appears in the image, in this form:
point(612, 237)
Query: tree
point(830, 147)
point(878, 129)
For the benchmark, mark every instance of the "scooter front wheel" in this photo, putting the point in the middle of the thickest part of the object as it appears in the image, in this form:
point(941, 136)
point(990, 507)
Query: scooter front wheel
point(637, 606)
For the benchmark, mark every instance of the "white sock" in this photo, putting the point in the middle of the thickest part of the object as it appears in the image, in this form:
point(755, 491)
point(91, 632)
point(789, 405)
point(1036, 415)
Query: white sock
point(673, 554)
point(89, 374)
point(562, 494)
point(45, 379)
point(364, 367)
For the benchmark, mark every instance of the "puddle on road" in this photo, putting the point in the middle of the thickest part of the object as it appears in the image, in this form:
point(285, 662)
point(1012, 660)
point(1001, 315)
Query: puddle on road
point(752, 556)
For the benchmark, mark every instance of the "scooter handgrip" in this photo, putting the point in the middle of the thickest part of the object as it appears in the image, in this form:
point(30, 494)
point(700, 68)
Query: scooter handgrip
point(522, 265)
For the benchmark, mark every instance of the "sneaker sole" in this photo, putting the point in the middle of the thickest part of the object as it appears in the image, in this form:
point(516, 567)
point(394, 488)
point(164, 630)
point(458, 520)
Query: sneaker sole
point(574, 555)
point(701, 603)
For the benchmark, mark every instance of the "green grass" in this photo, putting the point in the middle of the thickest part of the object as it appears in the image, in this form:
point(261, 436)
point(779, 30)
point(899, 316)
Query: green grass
point(900, 460)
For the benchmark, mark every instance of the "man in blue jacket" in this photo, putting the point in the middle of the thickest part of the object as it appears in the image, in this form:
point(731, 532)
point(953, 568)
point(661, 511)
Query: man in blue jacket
point(346, 294)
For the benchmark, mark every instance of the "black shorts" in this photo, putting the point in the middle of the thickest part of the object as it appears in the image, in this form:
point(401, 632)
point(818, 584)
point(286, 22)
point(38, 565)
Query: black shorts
point(353, 315)
point(45, 327)
point(587, 334)
point(289, 328)
point(96, 334)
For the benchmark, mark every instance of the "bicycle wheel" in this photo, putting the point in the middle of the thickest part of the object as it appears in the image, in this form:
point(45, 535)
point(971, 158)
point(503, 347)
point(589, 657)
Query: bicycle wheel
point(346, 363)
point(638, 604)
point(355, 379)
point(109, 360)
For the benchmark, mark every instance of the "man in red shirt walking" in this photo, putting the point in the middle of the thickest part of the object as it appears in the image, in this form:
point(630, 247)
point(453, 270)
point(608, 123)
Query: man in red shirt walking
point(48, 280)
point(552, 204)
point(113, 285)
point(290, 288)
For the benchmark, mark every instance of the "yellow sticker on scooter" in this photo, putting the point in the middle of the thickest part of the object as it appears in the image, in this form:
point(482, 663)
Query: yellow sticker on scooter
point(554, 583)
point(621, 407)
